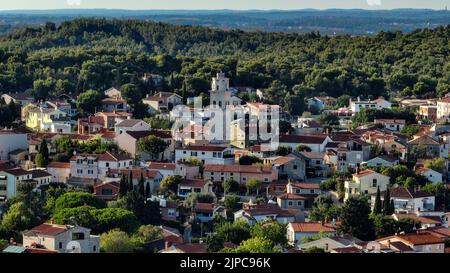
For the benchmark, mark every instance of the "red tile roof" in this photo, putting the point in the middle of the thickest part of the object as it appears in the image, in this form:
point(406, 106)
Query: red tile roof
point(195, 183)
point(312, 227)
point(204, 207)
point(308, 186)
point(417, 239)
point(161, 166)
point(237, 169)
point(364, 173)
point(59, 165)
point(208, 148)
point(291, 196)
point(48, 230)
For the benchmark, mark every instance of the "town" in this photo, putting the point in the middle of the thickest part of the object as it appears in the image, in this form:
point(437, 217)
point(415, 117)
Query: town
point(85, 174)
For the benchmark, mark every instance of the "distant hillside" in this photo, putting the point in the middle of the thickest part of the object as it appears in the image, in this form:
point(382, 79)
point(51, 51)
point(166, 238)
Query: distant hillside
point(334, 21)
point(96, 54)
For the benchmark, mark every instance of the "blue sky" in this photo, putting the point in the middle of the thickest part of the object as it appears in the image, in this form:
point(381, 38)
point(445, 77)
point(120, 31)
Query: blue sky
point(216, 4)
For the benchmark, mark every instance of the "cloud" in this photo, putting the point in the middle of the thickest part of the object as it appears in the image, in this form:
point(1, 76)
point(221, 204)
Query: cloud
point(374, 3)
point(74, 2)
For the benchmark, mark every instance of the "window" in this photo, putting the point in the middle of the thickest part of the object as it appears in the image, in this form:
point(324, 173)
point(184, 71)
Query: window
point(311, 191)
point(318, 162)
point(214, 154)
point(90, 161)
point(76, 236)
point(295, 167)
point(94, 248)
point(290, 203)
point(90, 171)
point(60, 245)
point(79, 171)
point(299, 203)
point(374, 183)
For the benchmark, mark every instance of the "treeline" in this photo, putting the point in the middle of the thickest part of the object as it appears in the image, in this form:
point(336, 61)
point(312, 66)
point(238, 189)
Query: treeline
point(96, 54)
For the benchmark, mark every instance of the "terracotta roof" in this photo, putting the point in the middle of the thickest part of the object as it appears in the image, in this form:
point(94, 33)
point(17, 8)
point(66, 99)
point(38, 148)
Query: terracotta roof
point(264, 209)
point(417, 239)
point(158, 133)
point(390, 121)
point(364, 173)
point(195, 183)
point(160, 96)
point(313, 155)
point(422, 170)
point(237, 169)
point(423, 140)
point(291, 196)
point(402, 192)
point(161, 166)
point(204, 207)
point(442, 232)
point(192, 248)
point(47, 229)
point(59, 165)
point(209, 148)
point(310, 139)
point(308, 186)
point(114, 114)
point(350, 249)
point(422, 219)
point(283, 160)
point(400, 246)
point(17, 172)
point(129, 122)
point(312, 227)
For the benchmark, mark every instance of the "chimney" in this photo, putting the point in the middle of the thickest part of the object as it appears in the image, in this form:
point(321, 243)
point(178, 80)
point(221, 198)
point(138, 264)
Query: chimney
point(389, 243)
point(326, 247)
point(52, 221)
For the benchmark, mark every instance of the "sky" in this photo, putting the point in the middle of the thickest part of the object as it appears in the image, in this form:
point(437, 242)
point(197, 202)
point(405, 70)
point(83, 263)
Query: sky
point(223, 4)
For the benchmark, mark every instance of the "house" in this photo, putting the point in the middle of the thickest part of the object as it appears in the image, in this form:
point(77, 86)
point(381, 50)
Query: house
point(205, 212)
point(162, 101)
point(293, 201)
point(21, 98)
point(41, 177)
point(111, 105)
point(391, 124)
point(432, 175)
point(432, 145)
point(328, 244)
point(382, 160)
point(308, 191)
point(208, 154)
point(428, 112)
point(128, 141)
point(107, 191)
point(155, 78)
point(90, 125)
point(315, 164)
point(410, 200)
point(97, 166)
point(110, 119)
point(151, 177)
point(113, 93)
point(9, 179)
point(426, 221)
point(358, 105)
point(239, 173)
point(62, 238)
point(321, 102)
point(316, 143)
point(132, 125)
point(296, 232)
point(11, 140)
point(443, 108)
point(259, 213)
point(48, 119)
point(291, 167)
point(60, 171)
point(260, 116)
point(418, 242)
point(166, 169)
point(188, 186)
point(169, 211)
point(308, 126)
point(187, 170)
point(365, 182)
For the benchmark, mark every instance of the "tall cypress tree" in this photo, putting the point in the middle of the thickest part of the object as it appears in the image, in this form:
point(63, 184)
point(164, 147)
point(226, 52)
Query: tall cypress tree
point(123, 187)
point(147, 191)
point(43, 149)
point(141, 187)
point(392, 207)
point(130, 181)
point(377, 209)
point(387, 203)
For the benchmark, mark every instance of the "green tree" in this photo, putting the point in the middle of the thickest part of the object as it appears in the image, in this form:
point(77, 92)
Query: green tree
point(377, 209)
point(387, 203)
point(235, 232)
point(355, 219)
point(255, 245)
point(78, 199)
point(303, 148)
point(437, 164)
point(214, 243)
point(283, 150)
point(170, 183)
point(272, 231)
point(88, 102)
point(314, 249)
point(232, 203)
point(116, 241)
point(43, 150)
point(230, 186)
point(249, 160)
point(123, 186)
point(152, 145)
point(328, 119)
point(253, 184)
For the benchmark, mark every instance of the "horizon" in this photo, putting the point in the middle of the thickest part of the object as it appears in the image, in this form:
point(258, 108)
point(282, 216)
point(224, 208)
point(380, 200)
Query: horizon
point(238, 5)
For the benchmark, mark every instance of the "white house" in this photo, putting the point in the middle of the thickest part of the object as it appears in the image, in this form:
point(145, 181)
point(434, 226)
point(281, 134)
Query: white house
point(382, 160)
point(9, 179)
point(365, 182)
point(131, 125)
point(409, 200)
point(317, 143)
point(97, 166)
point(62, 238)
point(321, 102)
point(166, 169)
point(358, 105)
point(391, 124)
point(296, 232)
point(60, 171)
point(11, 140)
point(210, 154)
point(162, 101)
point(432, 175)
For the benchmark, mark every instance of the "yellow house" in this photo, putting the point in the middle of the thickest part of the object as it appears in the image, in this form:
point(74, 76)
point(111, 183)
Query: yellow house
point(47, 119)
point(237, 134)
point(365, 182)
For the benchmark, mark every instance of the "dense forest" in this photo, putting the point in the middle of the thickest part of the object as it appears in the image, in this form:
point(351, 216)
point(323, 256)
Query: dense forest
point(85, 54)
